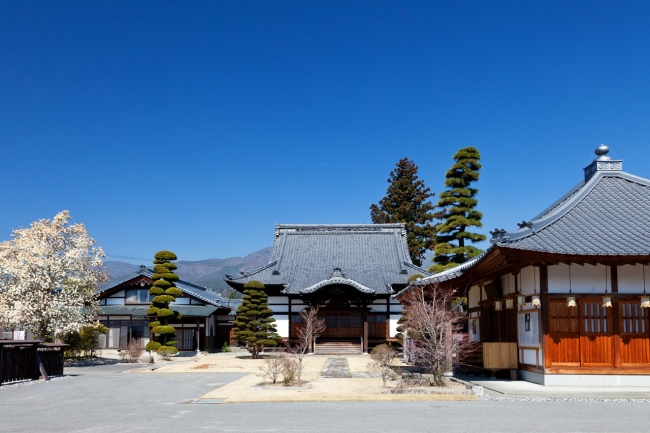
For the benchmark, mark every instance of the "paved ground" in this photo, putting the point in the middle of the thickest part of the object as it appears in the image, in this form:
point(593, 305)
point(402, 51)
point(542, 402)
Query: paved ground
point(103, 399)
point(523, 389)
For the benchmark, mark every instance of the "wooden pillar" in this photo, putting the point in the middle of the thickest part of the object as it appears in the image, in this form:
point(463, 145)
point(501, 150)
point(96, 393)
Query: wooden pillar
point(2, 363)
point(544, 312)
point(616, 330)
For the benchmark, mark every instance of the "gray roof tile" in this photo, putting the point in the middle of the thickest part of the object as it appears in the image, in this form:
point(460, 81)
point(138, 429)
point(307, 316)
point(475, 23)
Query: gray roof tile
point(306, 257)
point(607, 215)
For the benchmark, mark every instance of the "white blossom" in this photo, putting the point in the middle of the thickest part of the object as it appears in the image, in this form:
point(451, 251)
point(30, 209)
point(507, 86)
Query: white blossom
point(49, 275)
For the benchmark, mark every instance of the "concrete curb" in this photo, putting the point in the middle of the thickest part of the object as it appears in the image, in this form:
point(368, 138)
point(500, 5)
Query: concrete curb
point(477, 390)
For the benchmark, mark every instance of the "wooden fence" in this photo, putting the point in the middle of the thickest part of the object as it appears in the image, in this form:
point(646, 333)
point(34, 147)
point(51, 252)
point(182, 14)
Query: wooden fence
point(23, 359)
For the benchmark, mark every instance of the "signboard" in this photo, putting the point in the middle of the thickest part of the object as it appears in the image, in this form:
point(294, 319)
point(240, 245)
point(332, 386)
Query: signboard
point(528, 329)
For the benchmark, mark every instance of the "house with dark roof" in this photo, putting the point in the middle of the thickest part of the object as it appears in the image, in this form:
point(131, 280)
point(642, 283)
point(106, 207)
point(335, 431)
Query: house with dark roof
point(205, 323)
point(348, 271)
point(562, 299)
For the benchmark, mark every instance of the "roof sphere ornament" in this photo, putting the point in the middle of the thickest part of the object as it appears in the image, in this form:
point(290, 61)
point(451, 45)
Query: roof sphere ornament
point(602, 152)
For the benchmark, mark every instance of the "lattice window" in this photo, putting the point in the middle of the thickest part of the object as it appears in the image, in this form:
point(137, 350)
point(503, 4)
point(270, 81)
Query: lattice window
point(634, 319)
point(596, 319)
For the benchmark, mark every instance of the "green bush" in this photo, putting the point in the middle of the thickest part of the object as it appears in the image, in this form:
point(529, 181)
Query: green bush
point(164, 255)
point(163, 329)
point(85, 341)
point(155, 291)
point(174, 291)
point(415, 277)
point(152, 311)
point(225, 347)
point(167, 351)
point(165, 312)
point(163, 299)
point(153, 345)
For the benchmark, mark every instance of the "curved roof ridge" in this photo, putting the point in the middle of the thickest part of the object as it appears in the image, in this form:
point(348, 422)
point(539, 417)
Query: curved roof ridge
point(337, 280)
point(568, 202)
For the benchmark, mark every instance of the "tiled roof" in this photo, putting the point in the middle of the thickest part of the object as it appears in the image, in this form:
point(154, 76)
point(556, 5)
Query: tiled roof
point(141, 310)
point(607, 215)
point(201, 293)
point(370, 257)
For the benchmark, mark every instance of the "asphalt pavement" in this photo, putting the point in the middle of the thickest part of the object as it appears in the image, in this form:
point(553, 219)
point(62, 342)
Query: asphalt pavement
point(106, 399)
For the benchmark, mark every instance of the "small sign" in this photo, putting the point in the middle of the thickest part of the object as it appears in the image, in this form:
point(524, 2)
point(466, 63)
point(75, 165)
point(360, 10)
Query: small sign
point(528, 329)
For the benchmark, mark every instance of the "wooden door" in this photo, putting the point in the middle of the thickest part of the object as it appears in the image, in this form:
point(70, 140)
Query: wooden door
point(635, 334)
point(597, 338)
point(342, 324)
point(563, 343)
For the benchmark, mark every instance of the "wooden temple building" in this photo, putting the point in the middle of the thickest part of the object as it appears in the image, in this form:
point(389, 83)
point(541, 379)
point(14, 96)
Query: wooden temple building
point(349, 271)
point(563, 298)
point(205, 323)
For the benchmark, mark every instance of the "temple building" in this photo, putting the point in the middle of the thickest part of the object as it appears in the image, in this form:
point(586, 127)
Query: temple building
point(349, 272)
point(562, 300)
point(205, 323)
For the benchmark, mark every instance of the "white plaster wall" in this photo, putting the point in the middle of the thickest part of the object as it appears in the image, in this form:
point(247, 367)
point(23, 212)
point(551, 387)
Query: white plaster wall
point(278, 300)
point(392, 324)
point(396, 308)
point(473, 296)
point(118, 294)
point(380, 308)
point(507, 284)
point(529, 282)
point(584, 279)
point(282, 324)
point(112, 301)
point(530, 357)
point(630, 279)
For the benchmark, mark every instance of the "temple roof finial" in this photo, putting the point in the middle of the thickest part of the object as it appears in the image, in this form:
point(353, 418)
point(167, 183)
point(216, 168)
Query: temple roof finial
point(602, 152)
point(602, 163)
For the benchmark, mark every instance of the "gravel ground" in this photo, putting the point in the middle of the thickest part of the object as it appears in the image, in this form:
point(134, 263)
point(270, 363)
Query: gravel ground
point(32, 382)
point(606, 400)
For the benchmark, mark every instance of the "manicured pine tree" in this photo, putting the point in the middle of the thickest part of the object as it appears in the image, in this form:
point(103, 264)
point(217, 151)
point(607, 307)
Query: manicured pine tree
point(164, 292)
point(457, 213)
point(407, 201)
point(254, 324)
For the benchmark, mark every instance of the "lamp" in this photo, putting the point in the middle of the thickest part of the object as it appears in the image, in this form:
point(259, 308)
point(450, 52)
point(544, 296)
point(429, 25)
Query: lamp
point(645, 299)
point(534, 300)
point(510, 303)
point(521, 300)
point(497, 305)
point(570, 300)
point(607, 300)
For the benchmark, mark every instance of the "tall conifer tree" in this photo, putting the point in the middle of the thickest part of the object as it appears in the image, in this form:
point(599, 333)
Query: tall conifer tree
point(407, 201)
point(457, 213)
point(254, 324)
point(163, 335)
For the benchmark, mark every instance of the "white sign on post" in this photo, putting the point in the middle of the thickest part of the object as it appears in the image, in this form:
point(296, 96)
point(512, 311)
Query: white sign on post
point(528, 329)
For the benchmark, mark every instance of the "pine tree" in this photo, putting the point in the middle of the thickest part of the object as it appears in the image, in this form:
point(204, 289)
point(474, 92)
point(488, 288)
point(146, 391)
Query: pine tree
point(254, 324)
point(163, 335)
point(458, 213)
point(407, 201)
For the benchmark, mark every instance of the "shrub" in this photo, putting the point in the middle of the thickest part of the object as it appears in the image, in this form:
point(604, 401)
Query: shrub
point(415, 277)
point(383, 357)
point(273, 367)
point(155, 291)
point(135, 349)
point(174, 291)
point(163, 299)
point(153, 346)
point(167, 351)
point(288, 371)
point(163, 329)
point(225, 347)
point(85, 341)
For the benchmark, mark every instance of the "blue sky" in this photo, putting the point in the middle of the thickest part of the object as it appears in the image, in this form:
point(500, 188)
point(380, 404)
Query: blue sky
point(196, 126)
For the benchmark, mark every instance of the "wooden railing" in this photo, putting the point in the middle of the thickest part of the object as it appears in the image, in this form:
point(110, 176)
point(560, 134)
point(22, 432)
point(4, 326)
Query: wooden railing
point(29, 359)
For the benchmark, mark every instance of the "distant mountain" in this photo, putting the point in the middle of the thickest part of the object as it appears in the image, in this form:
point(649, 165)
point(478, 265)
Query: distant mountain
point(208, 273)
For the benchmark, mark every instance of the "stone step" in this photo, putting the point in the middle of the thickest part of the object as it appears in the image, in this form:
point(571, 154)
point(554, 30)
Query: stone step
point(338, 348)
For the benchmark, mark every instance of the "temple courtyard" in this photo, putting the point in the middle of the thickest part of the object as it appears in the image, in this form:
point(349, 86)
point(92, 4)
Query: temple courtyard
point(180, 397)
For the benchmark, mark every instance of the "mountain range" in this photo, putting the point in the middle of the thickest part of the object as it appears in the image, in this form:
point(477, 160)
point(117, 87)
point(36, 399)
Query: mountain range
point(208, 273)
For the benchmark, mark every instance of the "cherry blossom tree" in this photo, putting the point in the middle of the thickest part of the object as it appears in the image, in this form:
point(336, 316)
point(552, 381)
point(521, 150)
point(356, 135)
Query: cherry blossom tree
point(49, 275)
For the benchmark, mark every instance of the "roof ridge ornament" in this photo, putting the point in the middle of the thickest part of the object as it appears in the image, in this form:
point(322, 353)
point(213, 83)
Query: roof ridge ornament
point(602, 163)
point(499, 236)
